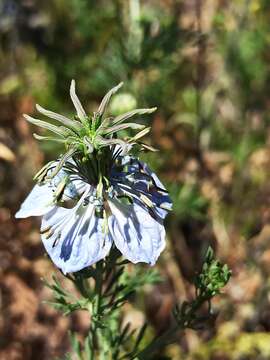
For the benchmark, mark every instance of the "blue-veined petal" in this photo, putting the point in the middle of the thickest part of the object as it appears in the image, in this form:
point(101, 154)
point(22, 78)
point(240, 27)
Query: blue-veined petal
point(74, 238)
point(42, 197)
point(139, 182)
point(157, 193)
point(38, 202)
point(138, 236)
point(152, 174)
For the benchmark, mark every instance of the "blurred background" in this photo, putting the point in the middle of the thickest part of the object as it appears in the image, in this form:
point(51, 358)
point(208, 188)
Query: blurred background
point(206, 66)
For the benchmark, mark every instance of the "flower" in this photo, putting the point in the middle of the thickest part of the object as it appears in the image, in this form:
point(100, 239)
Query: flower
point(95, 196)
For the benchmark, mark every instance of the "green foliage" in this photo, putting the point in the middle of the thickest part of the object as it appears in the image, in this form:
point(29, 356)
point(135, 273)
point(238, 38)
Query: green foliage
point(188, 202)
point(103, 290)
point(208, 283)
point(105, 287)
point(213, 277)
point(64, 300)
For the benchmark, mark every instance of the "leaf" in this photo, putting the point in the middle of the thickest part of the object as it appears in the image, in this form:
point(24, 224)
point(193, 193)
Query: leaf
point(140, 336)
point(75, 345)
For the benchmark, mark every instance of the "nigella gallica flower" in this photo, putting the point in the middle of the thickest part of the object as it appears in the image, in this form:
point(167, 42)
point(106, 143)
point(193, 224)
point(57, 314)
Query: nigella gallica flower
point(97, 194)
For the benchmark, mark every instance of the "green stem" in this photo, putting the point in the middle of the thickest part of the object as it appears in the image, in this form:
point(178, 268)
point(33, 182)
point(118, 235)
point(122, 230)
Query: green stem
point(168, 337)
point(158, 343)
point(96, 313)
point(100, 343)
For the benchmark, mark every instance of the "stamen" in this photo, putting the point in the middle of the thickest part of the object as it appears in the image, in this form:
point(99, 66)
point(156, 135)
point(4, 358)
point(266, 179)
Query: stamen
point(57, 239)
point(105, 225)
point(43, 231)
point(165, 207)
point(60, 189)
point(146, 201)
point(48, 233)
point(62, 161)
point(41, 174)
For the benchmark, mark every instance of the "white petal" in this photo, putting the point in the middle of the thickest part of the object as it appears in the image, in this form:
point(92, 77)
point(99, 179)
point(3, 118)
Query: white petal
point(78, 239)
point(76, 102)
point(80, 185)
point(37, 203)
point(74, 188)
point(138, 236)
